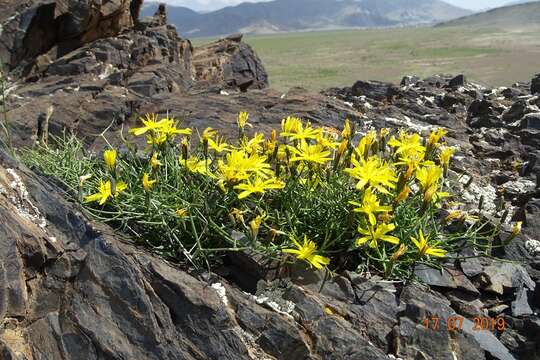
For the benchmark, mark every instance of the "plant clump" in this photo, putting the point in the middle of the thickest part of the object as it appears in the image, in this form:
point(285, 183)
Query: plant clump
point(331, 199)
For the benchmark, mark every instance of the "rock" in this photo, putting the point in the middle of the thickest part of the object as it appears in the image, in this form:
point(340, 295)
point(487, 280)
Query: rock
point(515, 112)
point(238, 67)
point(141, 306)
point(376, 310)
point(336, 341)
point(481, 113)
point(502, 276)
point(409, 80)
point(520, 306)
point(457, 81)
point(535, 84)
point(447, 277)
point(374, 90)
point(531, 121)
point(6, 353)
point(536, 296)
point(466, 303)
point(414, 340)
point(31, 28)
point(533, 247)
point(530, 138)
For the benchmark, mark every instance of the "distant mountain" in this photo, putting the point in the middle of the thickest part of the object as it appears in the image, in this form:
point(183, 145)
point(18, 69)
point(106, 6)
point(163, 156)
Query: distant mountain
point(296, 15)
point(514, 16)
point(517, 2)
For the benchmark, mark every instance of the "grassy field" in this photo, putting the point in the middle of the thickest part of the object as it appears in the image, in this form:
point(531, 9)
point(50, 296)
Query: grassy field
point(317, 60)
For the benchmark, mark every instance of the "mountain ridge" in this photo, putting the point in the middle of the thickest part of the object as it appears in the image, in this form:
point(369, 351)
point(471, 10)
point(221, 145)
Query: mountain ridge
point(510, 16)
point(298, 15)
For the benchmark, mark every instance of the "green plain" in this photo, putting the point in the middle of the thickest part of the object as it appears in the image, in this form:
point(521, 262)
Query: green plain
point(322, 59)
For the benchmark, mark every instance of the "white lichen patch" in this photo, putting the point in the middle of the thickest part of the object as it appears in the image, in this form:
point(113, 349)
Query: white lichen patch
point(221, 291)
point(521, 186)
point(107, 71)
point(533, 247)
point(474, 192)
point(21, 200)
point(408, 124)
point(284, 307)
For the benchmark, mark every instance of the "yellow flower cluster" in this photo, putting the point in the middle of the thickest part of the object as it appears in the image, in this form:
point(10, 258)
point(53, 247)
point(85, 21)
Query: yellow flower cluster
point(383, 170)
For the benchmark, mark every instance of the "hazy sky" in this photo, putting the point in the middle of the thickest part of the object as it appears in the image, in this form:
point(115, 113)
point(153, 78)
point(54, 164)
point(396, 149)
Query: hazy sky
point(216, 4)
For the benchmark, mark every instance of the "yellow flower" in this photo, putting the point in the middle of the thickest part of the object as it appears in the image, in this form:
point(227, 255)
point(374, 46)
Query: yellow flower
point(105, 192)
point(218, 145)
point(169, 128)
point(341, 149)
point(326, 141)
point(384, 132)
point(370, 206)
point(156, 138)
point(398, 253)
point(307, 251)
point(310, 153)
point(436, 136)
point(195, 165)
point(150, 123)
point(109, 156)
point(373, 173)
point(516, 229)
point(347, 131)
point(154, 162)
point(238, 166)
point(255, 224)
point(429, 177)
point(258, 186)
point(208, 133)
point(253, 145)
point(181, 213)
point(424, 248)
point(237, 215)
point(294, 129)
point(408, 146)
point(446, 155)
point(291, 125)
point(403, 195)
point(365, 144)
point(242, 120)
point(374, 234)
point(455, 215)
point(147, 183)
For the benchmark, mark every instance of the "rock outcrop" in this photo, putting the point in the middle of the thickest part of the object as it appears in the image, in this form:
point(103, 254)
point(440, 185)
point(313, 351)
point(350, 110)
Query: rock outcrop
point(231, 62)
point(54, 28)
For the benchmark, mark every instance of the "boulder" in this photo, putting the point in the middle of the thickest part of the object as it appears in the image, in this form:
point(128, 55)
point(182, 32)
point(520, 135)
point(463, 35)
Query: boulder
point(482, 113)
point(531, 121)
point(515, 112)
point(409, 80)
point(229, 62)
point(32, 27)
point(375, 90)
point(457, 81)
